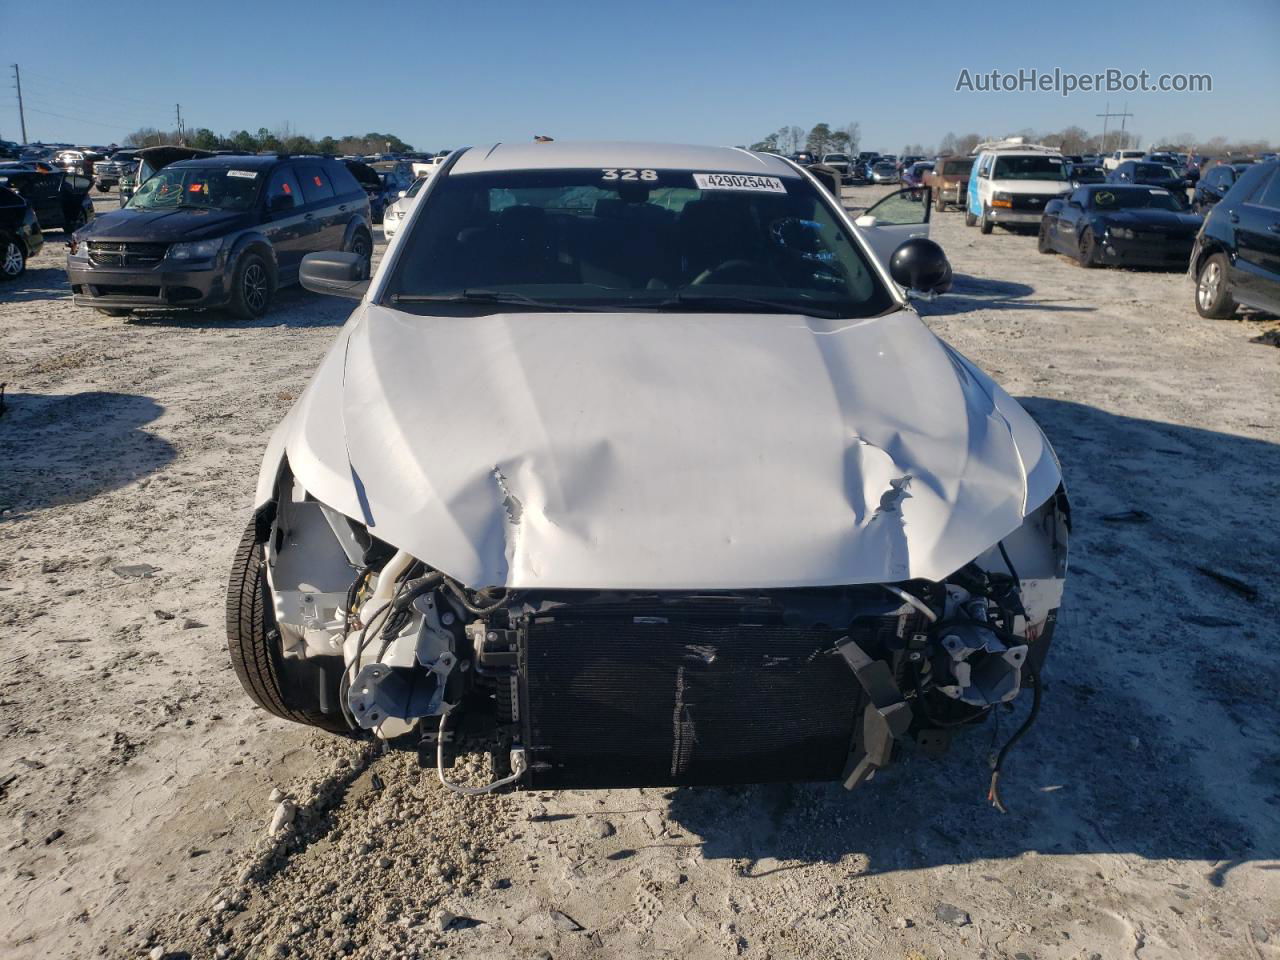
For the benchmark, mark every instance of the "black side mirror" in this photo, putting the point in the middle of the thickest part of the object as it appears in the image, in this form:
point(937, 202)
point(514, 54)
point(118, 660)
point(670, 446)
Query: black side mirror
point(280, 202)
point(920, 265)
point(336, 273)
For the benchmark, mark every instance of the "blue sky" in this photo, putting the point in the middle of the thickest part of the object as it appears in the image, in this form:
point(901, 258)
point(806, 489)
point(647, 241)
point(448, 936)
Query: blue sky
point(447, 74)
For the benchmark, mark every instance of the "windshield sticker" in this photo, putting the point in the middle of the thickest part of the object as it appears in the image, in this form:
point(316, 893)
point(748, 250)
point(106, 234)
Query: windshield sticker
point(247, 174)
point(620, 173)
point(738, 181)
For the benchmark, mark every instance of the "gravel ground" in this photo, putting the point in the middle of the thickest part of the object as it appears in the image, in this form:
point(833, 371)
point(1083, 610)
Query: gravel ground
point(138, 786)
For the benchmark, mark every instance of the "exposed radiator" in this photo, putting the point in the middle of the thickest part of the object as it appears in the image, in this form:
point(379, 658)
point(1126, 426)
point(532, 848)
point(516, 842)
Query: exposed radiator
point(695, 691)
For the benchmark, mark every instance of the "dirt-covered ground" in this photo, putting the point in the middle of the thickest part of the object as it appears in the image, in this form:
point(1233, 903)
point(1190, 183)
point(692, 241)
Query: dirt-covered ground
point(137, 785)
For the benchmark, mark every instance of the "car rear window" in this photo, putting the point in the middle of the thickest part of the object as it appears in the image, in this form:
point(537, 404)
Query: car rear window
point(343, 180)
point(316, 185)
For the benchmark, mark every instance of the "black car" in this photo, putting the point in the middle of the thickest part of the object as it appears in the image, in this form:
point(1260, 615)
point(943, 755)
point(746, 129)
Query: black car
point(20, 236)
point(60, 200)
point(218, 231)
point(1120, 225)
point(1215, 183)
point(1236, 260)
point(1086, 172)
point(373, 187)
point(1151, 175)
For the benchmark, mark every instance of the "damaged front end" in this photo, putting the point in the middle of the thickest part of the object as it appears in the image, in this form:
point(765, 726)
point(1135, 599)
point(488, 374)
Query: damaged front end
point(613, 688)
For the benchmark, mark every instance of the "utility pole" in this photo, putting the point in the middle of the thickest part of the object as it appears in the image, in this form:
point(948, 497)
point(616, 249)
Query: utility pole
point(22, 117)
point(177, 108)
point(1107, 116)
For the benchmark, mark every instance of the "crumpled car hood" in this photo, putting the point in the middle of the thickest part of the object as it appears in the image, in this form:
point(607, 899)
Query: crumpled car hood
point(664, 451)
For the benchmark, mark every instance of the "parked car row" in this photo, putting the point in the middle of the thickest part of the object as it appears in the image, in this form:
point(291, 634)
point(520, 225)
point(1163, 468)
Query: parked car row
point(1227, 237)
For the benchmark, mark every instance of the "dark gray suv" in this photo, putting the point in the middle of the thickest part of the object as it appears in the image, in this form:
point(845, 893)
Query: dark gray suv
point(223, 231)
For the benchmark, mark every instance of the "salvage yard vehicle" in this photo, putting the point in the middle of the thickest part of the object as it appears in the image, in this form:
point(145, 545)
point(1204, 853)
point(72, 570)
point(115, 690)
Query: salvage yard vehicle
point(107, 173)
point(1236, 259)
point(1117, 157)
point(218, 231)
point(949, 179)
point(840, 163)
point(637, 456)
point(1122, 225)
point(60, 200)
point(1151, 175)
point(20, 236)
point(1011, 182)
point(1215, 184)
point(368, 178)
point(398, 210)
point(884, 171)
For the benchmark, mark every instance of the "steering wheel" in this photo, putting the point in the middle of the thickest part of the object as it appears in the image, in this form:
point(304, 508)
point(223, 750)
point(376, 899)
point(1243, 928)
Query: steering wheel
point(731, 271)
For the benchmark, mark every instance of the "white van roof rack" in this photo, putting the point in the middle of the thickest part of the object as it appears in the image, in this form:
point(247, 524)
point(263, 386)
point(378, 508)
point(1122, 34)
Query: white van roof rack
point(1013, 143)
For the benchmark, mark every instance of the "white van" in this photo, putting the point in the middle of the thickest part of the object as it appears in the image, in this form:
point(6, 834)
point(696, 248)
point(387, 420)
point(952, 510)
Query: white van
point(1011, 182)
point(1117, 157)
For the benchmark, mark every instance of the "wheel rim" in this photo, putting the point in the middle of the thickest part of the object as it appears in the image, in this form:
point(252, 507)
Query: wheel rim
point(360, 248)
point(255, 286)
point(12, 259)
point(1210, 281)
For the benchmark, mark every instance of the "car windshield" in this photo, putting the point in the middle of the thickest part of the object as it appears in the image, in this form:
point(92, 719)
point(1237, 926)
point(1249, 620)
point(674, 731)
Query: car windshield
point(417, 185)
point(885, 167)
point(836, 158)
point(625, 240)
point(1158, 170)
point(213, 188)
point(1150, 199)
point(1030, 168)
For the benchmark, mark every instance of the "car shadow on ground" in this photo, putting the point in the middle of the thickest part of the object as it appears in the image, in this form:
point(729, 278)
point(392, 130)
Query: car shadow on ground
point(980, 293)
point(291, 307)
point(36, 283)
point(1160, 689)
point(60, 449)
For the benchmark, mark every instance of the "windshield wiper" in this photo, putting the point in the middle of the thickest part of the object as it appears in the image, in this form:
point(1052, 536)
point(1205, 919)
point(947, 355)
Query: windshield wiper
point(710, 302)
point(487, 296)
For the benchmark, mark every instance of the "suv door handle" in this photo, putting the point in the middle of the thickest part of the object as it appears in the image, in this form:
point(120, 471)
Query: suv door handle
point(309, 216)
point(1233, 217)
point(342, 207)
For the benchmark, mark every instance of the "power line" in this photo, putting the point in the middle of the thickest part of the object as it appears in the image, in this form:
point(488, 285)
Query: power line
point(79, 91)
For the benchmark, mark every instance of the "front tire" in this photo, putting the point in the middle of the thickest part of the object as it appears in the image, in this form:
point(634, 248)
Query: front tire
point(969, 219)
point(251, 287)
point(253, 641)
point(1043, 243)
point(362, 246)
point(1087, 251)
point(984, 222)
point(1213, 298)
point(13, 260)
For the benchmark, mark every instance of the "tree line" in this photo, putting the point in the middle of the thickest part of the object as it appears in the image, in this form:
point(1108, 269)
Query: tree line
point(281, 140)
point(822, 138)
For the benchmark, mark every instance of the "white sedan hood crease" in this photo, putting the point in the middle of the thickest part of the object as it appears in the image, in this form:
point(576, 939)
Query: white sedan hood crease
point(667, 450)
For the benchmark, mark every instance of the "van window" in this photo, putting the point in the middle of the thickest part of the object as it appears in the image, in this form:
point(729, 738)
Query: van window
point(315, 183)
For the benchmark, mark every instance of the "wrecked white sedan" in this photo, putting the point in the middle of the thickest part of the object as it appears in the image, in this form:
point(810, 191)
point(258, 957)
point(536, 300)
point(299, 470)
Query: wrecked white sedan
point(637, 458)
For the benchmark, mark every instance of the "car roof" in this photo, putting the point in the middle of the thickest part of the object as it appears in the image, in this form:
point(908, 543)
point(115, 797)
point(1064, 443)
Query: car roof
point(245, 161)
point(568, 154)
